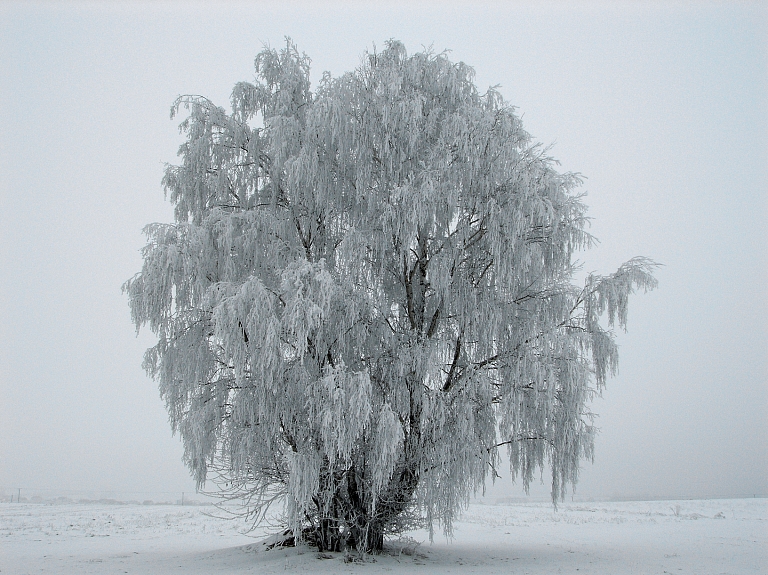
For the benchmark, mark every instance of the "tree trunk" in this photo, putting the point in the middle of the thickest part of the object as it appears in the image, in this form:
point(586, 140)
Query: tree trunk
point(346, 521)
point(328, 537)
point(374, 541)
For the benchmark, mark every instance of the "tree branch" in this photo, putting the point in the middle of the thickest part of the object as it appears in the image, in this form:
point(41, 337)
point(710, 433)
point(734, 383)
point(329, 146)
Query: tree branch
point(454, 364)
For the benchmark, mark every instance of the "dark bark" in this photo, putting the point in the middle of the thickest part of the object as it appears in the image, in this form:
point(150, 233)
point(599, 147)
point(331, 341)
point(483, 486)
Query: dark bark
point(328, 536)
point(374, 540)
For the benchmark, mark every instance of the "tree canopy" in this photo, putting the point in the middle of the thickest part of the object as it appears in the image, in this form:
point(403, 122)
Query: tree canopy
point(368, 292)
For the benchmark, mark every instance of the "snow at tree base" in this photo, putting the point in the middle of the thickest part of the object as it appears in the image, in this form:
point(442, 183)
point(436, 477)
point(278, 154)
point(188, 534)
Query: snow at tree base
point(367, 292)
point(705, 537)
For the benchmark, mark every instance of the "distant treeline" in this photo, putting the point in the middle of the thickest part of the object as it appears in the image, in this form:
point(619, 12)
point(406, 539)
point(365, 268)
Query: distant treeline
point(111, 497)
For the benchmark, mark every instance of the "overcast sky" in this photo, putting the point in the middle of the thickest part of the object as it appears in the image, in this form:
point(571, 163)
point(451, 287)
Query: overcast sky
point(663, 107)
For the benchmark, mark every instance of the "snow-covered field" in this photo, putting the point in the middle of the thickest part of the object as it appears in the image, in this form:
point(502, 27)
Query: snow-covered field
point(675, 537)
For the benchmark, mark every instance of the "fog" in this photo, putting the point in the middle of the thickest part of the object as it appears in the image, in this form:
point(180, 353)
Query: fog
point(662, 107)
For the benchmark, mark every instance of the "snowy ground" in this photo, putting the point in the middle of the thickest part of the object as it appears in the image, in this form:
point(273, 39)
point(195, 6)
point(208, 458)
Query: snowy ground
point(675, 537)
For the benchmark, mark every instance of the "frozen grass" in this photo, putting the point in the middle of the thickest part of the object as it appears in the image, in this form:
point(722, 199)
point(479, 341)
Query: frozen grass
point(676, 537)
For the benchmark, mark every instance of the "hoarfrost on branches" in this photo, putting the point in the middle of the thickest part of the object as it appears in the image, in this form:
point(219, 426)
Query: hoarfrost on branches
point(368, 291)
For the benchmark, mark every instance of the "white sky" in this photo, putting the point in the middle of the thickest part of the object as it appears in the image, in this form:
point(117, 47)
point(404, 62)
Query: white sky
point(663, 107)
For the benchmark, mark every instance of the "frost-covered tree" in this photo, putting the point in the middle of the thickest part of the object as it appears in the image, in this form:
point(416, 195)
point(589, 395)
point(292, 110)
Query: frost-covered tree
point(368, 291)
